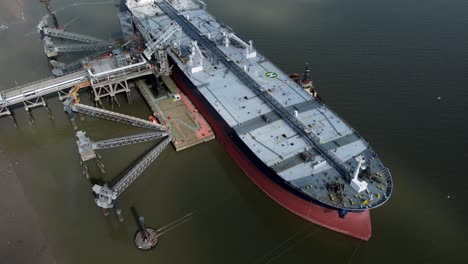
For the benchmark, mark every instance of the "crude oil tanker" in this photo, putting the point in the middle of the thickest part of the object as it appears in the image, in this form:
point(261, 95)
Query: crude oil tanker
point(285, 139)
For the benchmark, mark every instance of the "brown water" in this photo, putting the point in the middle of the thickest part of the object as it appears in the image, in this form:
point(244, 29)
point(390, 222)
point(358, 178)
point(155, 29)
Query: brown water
point(379, 65)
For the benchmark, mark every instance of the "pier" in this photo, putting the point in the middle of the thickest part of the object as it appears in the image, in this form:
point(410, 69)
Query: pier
point(175, 111)
point(105, 75)
point(31, 95)
point(105, 78)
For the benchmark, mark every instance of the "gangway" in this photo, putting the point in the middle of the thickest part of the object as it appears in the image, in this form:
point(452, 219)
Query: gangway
point(107, 194)
point(288, 117)
point(71, 36)
point(70, 107)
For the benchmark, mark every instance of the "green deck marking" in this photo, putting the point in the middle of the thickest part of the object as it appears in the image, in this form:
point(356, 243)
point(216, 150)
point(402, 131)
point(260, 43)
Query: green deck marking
point(271, 75)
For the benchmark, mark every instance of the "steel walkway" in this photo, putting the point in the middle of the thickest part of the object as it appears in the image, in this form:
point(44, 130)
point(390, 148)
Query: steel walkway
point(288, 117)
point(41, 88)
point(105, 84)
point(131, 175)
point(105, 195)
point(71, 36)
point(112, 116)
point(123, 141)
point(83, 47)
point(87, 148)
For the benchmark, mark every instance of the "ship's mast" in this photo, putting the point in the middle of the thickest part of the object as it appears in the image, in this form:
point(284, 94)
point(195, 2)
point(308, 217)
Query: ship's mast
point(306, 74)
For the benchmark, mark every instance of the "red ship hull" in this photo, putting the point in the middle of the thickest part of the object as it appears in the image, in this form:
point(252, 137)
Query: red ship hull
point(355, 224)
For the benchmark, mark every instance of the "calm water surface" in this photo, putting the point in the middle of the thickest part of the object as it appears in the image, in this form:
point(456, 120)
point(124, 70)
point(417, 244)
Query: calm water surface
point(380, 65)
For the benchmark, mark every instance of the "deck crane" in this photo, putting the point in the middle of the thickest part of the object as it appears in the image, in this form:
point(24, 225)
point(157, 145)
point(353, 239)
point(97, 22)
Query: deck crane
point(248, 47)
point(195, 58)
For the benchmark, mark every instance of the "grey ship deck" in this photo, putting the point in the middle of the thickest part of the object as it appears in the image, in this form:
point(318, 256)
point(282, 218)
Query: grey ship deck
point(269, 136)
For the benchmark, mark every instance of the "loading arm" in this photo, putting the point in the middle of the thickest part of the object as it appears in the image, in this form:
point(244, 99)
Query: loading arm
point(161, 38)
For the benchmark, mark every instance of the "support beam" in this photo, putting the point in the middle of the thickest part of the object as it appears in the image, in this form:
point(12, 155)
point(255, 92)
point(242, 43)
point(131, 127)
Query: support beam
point(4, 111)
point(35, 102)
point(110, 90)
point(87, 148)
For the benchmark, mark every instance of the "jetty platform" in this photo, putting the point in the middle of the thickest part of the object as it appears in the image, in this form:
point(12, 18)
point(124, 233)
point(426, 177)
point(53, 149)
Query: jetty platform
point(175, 111)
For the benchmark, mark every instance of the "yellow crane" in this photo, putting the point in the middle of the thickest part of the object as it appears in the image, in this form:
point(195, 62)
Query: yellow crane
point(74, 91)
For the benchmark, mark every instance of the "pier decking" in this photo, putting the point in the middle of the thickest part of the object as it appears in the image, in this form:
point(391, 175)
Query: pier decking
point(187, 127)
